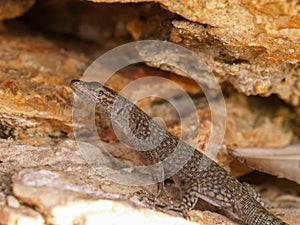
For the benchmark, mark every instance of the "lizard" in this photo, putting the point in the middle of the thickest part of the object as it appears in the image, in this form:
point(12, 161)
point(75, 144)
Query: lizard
point(198, 177)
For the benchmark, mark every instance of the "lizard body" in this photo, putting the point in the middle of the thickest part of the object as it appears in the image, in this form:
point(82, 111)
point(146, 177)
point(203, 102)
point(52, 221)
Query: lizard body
point(199, 177)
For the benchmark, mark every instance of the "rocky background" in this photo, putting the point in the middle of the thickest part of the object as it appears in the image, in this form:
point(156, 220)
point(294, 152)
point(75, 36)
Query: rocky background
point(252, 47)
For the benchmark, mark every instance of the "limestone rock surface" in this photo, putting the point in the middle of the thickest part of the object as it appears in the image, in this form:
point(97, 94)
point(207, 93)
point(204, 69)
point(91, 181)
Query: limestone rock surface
point(253, 45)
point(44, 176)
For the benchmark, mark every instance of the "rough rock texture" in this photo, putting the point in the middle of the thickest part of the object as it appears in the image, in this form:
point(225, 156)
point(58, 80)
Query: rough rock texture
point(43, 175)
point(61, 205)
point(11, 9)
point(250, 121)
point(250, 69)
point(19, 216)
point(33, 72)
point(254, 45)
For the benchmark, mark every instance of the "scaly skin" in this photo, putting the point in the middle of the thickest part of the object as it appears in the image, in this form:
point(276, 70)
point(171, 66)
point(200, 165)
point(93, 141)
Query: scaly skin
point(198, 176)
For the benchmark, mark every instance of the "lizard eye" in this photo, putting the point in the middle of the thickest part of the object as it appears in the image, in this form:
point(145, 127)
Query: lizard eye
point(100, 92)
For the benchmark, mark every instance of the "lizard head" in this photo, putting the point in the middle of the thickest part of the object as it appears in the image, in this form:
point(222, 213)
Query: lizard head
point(95, 93)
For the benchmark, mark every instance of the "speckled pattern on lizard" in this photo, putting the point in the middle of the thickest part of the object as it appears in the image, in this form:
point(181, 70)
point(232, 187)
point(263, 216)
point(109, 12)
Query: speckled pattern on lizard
point(200, 177)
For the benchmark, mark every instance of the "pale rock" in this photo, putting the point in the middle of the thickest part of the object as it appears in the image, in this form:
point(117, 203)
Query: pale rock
point(20, 216)
point(12, 201)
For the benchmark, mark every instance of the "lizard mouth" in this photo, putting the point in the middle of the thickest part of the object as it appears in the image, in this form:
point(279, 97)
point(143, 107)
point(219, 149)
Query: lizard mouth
point(83, 90)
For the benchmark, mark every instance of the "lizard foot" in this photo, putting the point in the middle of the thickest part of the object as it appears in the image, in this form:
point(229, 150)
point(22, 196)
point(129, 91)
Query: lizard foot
point(150, 199)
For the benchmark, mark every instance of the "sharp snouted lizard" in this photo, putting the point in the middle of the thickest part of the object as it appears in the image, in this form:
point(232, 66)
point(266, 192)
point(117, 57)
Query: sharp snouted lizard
point(210, 182)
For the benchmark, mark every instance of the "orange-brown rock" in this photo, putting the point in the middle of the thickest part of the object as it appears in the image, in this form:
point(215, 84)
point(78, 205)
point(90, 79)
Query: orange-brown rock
point(34, 75)
point(252, 45)
point(12, 9)
point(42, 171)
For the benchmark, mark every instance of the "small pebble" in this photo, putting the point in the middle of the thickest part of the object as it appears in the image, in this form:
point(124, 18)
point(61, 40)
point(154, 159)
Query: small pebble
point(12, 202)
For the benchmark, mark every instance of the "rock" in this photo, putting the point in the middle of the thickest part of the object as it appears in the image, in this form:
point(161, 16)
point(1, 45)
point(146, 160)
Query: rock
point(249, 122)
point(36, 116)
point(253, 69)
point(33, 75)
point(12, 9)
point(41, 165)
point(62, 206)
point(209, 218)
point(12, 201)
point(254, 47)
point(62, 202)
point(93, 22)
point(20, 216)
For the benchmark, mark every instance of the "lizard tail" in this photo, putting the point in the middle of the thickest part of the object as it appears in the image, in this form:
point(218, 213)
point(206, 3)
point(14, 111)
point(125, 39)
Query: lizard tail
point(253, 213)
